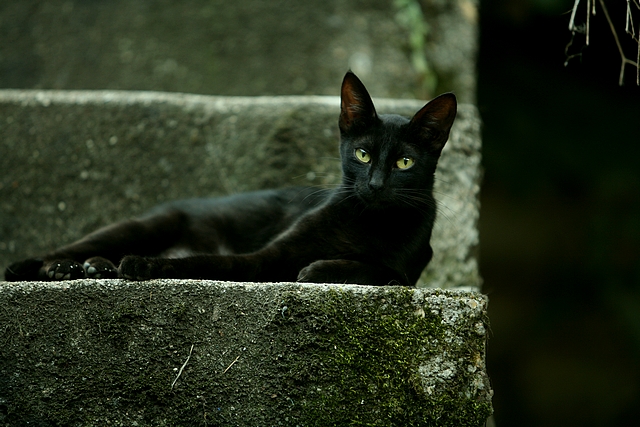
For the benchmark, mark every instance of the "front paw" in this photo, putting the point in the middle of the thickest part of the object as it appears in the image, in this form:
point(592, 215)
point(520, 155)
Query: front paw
point(100, 268)
point(64, 269)
point(318, 272)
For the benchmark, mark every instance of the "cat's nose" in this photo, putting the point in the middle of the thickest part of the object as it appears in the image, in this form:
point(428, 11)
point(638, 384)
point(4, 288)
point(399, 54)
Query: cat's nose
point(376, 183)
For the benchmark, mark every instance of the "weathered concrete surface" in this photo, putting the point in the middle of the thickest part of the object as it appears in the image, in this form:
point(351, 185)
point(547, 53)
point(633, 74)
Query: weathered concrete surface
point(74, 161)
point(247, 47)
point(187, 353)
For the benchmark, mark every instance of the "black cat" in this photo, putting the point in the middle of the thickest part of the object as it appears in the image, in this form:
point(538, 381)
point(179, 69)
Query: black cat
point(373, 229)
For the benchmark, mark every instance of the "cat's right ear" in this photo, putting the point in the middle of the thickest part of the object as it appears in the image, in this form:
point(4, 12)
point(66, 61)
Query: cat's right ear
point(356, 106)
point(433, 122)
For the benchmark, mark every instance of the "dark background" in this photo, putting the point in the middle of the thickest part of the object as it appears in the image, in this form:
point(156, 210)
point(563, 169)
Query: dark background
point(560, 217)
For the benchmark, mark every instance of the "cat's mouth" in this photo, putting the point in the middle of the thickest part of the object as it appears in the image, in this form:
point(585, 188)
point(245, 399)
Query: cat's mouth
point(376, 198)
point(391, 198)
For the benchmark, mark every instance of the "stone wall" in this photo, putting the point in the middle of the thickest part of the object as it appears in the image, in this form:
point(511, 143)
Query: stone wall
point(74, 161)
point(248, 47)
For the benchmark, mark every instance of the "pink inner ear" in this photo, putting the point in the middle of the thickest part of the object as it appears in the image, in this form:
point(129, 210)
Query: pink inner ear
point(346, 113)
point(353, 107)
point(350, 104)
point(355, 104)
point(439, 113)
point(433, 122)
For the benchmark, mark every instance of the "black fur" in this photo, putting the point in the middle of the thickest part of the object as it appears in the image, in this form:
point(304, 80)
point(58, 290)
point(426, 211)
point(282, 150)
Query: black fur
point(373, 229)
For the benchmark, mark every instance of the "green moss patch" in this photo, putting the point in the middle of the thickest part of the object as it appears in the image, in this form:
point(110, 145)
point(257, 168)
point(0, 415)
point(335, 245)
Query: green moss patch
point(363, 356)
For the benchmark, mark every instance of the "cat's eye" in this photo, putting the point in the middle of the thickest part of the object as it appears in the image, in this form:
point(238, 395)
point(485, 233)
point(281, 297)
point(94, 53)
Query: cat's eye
point(405, 163)
point(362, 155)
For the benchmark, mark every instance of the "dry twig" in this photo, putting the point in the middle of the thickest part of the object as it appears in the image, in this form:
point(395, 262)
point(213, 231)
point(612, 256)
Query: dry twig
point(182, 368)
point(629, 29)
point(232, 363)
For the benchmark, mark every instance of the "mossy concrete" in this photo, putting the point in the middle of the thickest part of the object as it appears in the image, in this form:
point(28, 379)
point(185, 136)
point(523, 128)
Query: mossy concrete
point(74, 161)
point(188, 353)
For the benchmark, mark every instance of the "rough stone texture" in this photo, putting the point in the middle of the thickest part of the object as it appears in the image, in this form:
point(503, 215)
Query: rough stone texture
point(188, 353)
point(74, 161)
point(247, 47)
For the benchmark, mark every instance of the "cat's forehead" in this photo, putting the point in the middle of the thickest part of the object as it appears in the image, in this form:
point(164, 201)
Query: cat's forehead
point(393, 119)
point(390, 139)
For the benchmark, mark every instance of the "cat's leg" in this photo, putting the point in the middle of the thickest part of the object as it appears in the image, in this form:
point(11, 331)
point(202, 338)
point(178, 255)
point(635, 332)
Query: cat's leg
point(354, 272)
point(241, 267)
point(25, 270)
point(96, 254)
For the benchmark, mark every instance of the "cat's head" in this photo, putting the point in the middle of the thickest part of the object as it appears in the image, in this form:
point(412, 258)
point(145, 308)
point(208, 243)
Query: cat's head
point(389, 160)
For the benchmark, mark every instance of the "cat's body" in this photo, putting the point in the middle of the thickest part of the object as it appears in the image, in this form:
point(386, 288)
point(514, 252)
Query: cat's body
point(373, 229)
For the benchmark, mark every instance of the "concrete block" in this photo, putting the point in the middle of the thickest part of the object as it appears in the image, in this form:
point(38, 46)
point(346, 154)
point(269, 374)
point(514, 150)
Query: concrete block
point(72, 161)
point(188, 353)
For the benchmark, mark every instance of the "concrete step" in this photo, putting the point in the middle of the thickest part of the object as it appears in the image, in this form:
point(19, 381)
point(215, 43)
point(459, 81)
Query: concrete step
point(73, 161)
point(189, 353)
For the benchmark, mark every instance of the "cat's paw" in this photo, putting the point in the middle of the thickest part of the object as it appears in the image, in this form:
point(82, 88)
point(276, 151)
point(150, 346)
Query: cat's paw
point(348, 271)
point(26, 270)
point(318, 272)
point(100, 268)
point(64, 269)
point(137, 268)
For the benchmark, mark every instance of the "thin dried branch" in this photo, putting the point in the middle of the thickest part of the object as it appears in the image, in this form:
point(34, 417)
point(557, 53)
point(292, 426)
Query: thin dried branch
point(589, 7)
point(574, 29)
point(232, 363)
point(182, 368)
point(631, 30)
point(629, 22)
point(586, 29)
point(572, 20)
point(624, 59)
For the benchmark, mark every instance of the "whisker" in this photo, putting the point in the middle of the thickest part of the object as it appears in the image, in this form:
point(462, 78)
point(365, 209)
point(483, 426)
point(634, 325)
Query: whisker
point(320, 190)
point(418, 199)
point(440, 214)
point(437, 178)
point(445, 195)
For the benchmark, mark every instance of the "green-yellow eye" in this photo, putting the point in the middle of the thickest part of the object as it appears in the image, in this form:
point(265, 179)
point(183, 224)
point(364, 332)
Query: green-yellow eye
point(362, 155)
point(405, 163)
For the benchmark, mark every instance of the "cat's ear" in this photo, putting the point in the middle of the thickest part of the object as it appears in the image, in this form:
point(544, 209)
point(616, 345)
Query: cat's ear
point(356, 107)
point(433, 122)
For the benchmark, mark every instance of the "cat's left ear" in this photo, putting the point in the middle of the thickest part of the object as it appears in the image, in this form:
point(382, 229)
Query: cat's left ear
point(433, 122)
point(356, 107)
